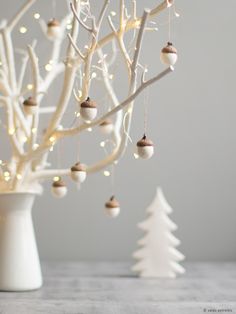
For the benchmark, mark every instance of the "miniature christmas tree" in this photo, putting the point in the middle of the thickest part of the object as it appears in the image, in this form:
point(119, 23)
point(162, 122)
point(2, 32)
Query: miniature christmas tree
point(158, 256)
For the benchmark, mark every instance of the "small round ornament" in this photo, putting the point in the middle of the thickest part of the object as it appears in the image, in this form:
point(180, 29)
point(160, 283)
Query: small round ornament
point(145, 148)
point(78, 172)
point(59, 188)
point(169, 54)
point(106, 127)
point(112, 207)
point(54, 29)
point(88, 109)
point(30, 106)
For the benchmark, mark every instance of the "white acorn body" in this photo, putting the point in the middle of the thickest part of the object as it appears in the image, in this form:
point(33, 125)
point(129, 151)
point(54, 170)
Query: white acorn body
point(30, 110)
point(106, 128)
point(59, 192)
point(54, 32)
point(169, 58)
point(145, 152)
point(88, 114)
point(78, 176)
point(113, 212)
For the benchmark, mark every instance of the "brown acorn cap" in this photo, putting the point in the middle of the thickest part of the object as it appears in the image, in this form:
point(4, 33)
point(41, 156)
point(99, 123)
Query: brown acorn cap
point(58, 184)
point(78, 167)
point(106, 122)
point(53, 22)
point(144, 142)
point(88, 103)
point(30, 102)
point(169, 48)
point(112, 203)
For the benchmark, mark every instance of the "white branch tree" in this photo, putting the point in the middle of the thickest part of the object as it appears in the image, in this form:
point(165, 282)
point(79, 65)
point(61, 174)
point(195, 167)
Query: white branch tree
point(27, 167)
point(157, 255)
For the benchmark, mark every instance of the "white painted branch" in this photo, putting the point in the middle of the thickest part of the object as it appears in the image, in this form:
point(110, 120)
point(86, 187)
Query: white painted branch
point(74, 131)
point(76, 15)
point(20, 14)
point(102, 13)
point(76, 47)
point(46, 110)
point(36, 80)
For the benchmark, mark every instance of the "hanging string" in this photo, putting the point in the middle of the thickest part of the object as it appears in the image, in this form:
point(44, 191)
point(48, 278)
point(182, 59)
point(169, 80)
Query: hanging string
point(113, 179)
point(169, 24)
point(54, 8)
point(146, 101)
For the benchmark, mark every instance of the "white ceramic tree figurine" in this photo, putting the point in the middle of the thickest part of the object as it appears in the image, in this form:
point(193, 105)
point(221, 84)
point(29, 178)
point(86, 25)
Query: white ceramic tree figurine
point(21, 176)
point(157, 255)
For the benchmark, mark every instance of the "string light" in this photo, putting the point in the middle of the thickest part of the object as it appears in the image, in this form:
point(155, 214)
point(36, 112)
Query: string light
point(24, 139)
point(113, 13)
point(48, 67)
point(36, 16)
point(52, 139)
point(34, 130)
point(55, 179)
point(107, 173)
point(102, 144)
point(77, 114)
point(6, 174)
point(22, 29)
point(136, 156)
point(51, 149)
point(19, 176)
point(30, 86)
point(89, 129)
point(111, 76)
point(35, 146)
point(11, 131)
point(94, 74)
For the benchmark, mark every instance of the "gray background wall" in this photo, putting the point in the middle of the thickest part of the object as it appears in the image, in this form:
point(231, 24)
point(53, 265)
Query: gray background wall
point(191, 120)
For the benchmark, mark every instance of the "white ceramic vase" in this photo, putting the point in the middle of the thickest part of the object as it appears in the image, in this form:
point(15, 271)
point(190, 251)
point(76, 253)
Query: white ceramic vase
point(19, 261)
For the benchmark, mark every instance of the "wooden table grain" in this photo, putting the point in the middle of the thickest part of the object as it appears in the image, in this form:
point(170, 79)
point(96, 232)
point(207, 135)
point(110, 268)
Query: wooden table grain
point(110, 288)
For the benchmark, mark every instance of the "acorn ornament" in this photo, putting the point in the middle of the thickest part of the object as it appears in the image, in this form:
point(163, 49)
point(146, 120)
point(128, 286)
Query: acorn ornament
point(30, 106)
point(53, 29)
point(169, 54)
point(59, 188)
point(88, 109)
point(112, 207)
point(78, 172)
point(145, 148)
point(106, 127)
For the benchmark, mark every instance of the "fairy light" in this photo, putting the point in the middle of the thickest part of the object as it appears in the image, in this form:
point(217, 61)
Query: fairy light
point(77, 114)
point(33, 130)
point(94, 74)
point(102, 144)
point(22, 29)
point(6, 174)
point(69, 26)
point(51, 149)
point(19, 176)
point(136, 156)
point(35, 146)
point(56, 179)
point(107, 173)
point(89, 129)
point(52, 139)
point(30, 86)
point(36, 16)
point(113, 13)
point(48, 67)
point(24, 139)
point(115, 162)
point(11, 131)
point(111, 76)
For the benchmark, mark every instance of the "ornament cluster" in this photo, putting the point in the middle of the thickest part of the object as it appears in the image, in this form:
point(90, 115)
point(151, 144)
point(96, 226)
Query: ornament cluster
point(88, 112)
